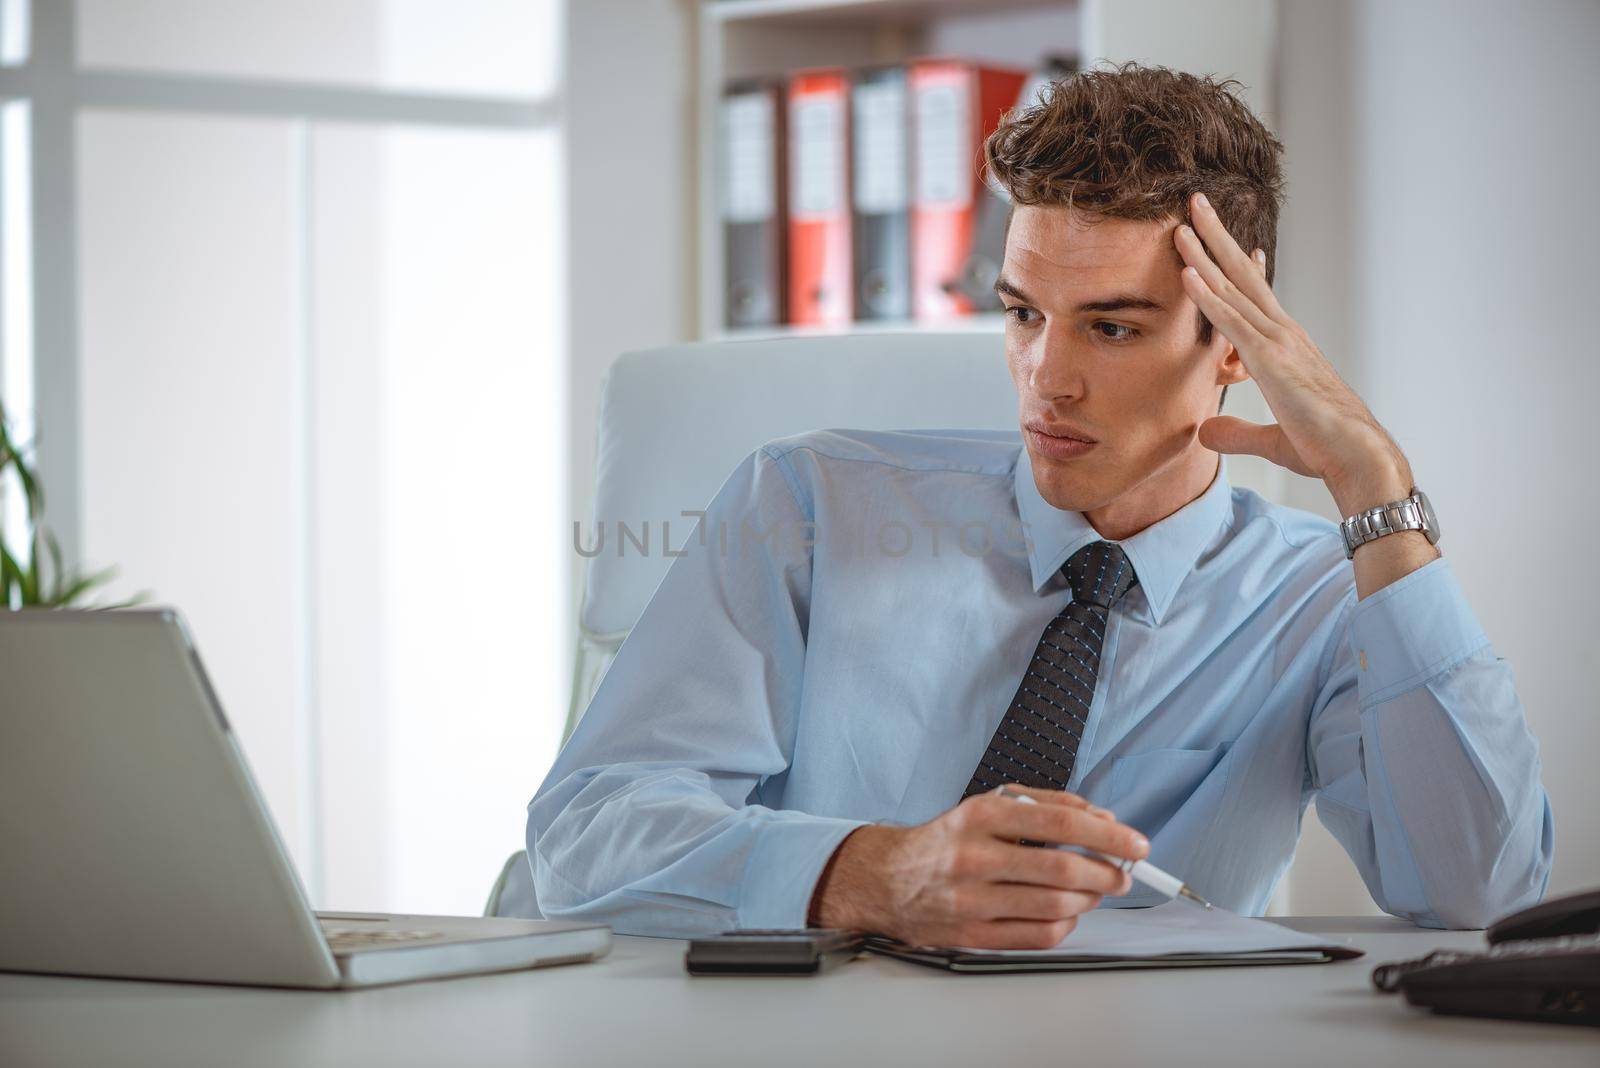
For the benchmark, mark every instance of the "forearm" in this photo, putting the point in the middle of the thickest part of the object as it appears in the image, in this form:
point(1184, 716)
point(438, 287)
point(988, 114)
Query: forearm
point(1461, 824)
point(1427, 770)
point(659, 852)
point(646, 821)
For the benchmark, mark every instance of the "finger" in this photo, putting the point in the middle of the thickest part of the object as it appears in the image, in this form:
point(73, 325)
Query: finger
point(1056, 869)
point(1060, 797)
point(1194, 254)
point(1224, 316)
point(1017, 934)
point(1231, 258)
point(1011, 820)
point(1224, 433)
point(1023, 901)
point(1046, 797)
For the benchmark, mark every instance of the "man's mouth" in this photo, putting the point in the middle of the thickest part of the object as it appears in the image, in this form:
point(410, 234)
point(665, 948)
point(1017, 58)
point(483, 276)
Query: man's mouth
point(1061, 441)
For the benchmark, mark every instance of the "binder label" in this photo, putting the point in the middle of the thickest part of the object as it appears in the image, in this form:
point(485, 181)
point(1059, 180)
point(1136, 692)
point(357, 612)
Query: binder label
point(817, 167)
point(945, 167)
point(748, 182)
point(880, 156)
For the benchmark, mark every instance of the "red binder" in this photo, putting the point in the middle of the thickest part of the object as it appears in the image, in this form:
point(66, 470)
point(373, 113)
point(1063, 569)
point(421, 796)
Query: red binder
point(955, 105)
point(819, 198)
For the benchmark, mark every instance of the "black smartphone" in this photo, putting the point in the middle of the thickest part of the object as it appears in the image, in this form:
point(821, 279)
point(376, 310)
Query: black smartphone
point(759, 952)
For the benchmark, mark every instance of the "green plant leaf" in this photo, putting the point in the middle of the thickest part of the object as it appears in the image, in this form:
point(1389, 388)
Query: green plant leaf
point(32, 492)
point(31, 575)
point(10, 577)
point(6, 448)
point(142, 597)
point(14, 578)
point(39, 584)
point(82, 584)
point(64, 587)
point(57, 568)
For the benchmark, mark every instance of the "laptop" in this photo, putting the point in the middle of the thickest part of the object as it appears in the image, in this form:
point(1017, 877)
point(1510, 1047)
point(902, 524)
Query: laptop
point(136, 844)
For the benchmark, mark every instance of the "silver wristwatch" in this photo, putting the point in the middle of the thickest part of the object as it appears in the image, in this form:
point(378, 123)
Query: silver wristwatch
point(1412, 513)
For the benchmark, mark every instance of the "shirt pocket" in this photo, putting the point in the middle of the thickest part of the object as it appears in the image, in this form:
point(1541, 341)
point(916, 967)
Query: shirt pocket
point(1147, 789)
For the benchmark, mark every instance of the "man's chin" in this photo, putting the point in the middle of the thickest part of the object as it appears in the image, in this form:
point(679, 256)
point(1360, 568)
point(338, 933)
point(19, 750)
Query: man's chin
point(1064, 487)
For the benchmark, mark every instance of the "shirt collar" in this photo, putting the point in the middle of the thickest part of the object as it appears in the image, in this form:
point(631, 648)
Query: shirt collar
point(1161, 554)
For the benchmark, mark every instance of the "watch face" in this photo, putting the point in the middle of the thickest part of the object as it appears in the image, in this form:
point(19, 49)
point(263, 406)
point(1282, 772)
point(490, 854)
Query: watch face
point(1429, 518)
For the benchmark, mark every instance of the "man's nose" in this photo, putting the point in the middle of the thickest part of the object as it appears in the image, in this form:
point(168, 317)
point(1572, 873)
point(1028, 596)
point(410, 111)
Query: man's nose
point(1057, 368)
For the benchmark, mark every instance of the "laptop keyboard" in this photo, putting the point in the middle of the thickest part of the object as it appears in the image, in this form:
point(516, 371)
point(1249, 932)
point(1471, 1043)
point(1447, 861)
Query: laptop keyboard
point(344, 940)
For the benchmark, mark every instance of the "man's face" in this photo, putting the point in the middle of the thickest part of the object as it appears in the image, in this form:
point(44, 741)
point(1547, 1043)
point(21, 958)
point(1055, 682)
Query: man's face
point(1103, 345)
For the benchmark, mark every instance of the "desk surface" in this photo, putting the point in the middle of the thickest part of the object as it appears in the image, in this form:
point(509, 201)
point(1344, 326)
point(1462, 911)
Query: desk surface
point(637, 1006)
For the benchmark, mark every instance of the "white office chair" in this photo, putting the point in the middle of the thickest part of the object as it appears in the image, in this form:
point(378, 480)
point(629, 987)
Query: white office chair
point(676, 421)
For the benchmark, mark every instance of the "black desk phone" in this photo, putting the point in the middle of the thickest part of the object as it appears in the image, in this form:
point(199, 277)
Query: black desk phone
point(1542, 964)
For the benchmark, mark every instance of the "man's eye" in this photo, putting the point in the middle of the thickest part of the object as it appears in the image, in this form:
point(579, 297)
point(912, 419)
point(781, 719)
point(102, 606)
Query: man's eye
point(1114, 331)
point(1022, 314)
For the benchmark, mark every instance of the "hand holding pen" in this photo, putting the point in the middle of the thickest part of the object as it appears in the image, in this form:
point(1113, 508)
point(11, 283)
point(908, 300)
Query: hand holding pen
point(1140, 870)
point(965, 878)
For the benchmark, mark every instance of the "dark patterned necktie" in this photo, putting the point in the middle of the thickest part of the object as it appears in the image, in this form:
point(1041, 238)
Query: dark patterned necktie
point(1037, 739)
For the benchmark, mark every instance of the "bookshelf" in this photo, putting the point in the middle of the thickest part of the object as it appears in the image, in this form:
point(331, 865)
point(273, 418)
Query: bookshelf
point(981, 323)
point(769, 38)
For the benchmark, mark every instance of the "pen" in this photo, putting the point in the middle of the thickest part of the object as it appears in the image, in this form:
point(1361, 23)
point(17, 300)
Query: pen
point(1142, 870)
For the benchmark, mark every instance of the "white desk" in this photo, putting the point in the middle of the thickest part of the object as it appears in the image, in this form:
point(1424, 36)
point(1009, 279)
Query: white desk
point(638, 1007)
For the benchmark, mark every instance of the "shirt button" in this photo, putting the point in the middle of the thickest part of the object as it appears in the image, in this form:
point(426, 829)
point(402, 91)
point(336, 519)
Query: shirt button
point(1363, 660)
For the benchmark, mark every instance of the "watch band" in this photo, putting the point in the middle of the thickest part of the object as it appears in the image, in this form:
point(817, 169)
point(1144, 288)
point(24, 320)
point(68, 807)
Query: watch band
point(1392, 518)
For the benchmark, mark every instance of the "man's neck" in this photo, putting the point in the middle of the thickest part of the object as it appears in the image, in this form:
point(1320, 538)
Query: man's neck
point(1157, 497)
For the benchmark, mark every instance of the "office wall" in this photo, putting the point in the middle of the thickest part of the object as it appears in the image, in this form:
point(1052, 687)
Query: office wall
point(1439, 244)
point(1478, 170)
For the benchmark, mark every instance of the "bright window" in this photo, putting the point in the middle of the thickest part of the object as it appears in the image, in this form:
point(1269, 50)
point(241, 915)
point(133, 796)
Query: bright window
point(316, 306)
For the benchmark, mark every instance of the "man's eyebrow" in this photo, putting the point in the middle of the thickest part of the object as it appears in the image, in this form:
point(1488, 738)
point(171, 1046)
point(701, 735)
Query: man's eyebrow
point(1124, 302)
point(1006, 289)
point(1121, 302)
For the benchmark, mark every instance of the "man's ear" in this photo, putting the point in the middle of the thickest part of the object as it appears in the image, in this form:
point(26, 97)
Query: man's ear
point(1232, 370)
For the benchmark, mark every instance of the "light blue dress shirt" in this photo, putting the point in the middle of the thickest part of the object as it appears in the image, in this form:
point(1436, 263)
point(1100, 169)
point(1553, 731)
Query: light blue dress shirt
point(850, 622)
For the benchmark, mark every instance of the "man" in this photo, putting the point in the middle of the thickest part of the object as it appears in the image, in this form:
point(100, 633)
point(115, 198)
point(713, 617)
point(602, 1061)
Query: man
point(1174, 667)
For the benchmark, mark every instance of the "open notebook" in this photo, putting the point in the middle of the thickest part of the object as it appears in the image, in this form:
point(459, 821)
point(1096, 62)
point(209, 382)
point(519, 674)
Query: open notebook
point(1178, 934)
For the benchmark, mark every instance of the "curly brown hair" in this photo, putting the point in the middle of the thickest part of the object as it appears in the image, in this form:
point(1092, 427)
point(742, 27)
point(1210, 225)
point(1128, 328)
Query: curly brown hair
point(1135, 142)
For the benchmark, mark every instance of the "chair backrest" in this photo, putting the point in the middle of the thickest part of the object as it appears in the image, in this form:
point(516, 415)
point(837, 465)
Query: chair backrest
point(675, 421)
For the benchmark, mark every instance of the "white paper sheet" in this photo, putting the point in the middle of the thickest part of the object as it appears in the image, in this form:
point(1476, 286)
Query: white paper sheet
point(1179, 926)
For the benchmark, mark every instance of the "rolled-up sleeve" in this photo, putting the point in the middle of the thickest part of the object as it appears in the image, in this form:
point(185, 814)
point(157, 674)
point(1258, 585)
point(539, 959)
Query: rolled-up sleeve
point(1423, 763)
point(651, 819)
